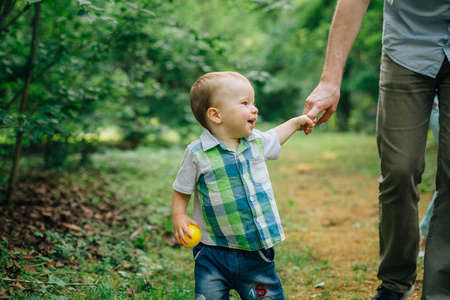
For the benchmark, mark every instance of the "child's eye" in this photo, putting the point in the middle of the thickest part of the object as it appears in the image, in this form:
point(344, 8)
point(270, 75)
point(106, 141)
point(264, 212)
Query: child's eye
point(245, 103)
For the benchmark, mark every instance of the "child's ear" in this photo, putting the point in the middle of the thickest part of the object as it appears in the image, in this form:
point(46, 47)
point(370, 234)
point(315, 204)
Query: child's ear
point(214, 115)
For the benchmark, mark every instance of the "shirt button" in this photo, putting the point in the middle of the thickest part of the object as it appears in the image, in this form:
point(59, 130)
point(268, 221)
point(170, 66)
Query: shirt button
point(252, 198)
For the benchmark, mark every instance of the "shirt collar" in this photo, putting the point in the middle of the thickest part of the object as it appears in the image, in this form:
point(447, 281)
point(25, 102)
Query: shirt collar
point(209, 141)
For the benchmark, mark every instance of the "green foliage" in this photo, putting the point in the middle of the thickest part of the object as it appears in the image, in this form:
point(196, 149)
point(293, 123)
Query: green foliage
point(131, 64)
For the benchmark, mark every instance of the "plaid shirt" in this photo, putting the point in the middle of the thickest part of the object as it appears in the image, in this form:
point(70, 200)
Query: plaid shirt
point(233, 197)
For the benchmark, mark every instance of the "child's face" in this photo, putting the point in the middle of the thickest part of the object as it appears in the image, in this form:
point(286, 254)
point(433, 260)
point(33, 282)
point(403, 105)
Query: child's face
point(237, 109)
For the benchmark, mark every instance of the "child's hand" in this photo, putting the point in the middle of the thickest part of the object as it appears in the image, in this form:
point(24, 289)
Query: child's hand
point(308, 128)
point(288, 128)
point(180, 227)
point(305, 124)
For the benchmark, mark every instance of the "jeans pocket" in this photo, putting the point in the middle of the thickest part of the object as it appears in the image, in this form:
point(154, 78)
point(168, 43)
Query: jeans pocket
point(197, 250)
point(267, 255)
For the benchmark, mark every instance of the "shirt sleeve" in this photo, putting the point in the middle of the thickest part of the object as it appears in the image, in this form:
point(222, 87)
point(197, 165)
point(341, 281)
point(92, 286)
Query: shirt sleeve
point(271, 144)
point(187, 175)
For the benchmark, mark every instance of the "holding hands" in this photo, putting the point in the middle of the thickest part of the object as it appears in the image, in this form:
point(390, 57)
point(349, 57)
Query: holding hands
point(306, 123)
point(288, 128)
point(325, 97)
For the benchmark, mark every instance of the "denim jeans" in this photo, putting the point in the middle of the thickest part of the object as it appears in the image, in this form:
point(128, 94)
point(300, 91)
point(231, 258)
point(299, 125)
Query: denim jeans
point(425, 223)
point(404, 109)
point(251, 273)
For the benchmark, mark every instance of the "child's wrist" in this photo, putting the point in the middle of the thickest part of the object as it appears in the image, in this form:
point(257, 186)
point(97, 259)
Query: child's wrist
point(175, 215)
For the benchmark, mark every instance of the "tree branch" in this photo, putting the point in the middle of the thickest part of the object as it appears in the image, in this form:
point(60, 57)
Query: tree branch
point(7, 10)
point(23, 103)
point(40, 73)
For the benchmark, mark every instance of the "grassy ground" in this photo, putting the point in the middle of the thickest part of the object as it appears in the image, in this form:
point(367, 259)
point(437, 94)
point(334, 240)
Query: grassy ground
point(326, 186)
point(326, 189)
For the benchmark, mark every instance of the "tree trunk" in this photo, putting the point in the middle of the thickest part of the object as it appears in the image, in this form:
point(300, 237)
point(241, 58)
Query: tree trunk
point(345, 106)
point(23, 104)
point(344, 111)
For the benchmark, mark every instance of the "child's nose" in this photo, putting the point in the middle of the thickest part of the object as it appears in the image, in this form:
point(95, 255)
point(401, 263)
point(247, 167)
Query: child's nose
point(254, 110)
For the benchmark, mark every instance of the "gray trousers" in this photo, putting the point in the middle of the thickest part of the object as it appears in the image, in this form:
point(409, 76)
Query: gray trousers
point(404, 107)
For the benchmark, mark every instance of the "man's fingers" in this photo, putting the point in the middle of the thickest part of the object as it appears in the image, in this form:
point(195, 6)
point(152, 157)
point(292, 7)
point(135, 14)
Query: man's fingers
point(328, 113)
point(312, 114)
point(307, 108)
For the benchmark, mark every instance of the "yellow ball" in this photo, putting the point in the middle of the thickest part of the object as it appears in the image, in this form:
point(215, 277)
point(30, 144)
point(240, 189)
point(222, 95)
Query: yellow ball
point(196, 236)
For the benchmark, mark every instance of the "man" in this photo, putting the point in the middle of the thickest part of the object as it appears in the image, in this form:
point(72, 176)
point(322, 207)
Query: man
point(414, 65)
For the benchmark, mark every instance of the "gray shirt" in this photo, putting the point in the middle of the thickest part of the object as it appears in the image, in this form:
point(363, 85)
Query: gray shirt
point(416, 34)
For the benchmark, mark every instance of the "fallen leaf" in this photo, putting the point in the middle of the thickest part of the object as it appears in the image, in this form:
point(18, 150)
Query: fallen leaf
point(72, 226)
point(59, 264)
point(320, 285)
point(19, 286)
point(50, 263)
point(131, 292)
point(169, 239)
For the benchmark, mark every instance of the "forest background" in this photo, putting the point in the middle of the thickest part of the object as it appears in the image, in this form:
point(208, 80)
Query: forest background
point(95, 114)
point(73, 73)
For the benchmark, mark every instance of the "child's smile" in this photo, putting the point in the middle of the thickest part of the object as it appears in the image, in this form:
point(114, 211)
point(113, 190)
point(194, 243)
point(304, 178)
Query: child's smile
point(237, 110)
point(252, 122)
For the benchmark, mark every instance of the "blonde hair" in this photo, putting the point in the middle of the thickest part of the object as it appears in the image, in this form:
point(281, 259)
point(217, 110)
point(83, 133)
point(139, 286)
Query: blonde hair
point(205, 89)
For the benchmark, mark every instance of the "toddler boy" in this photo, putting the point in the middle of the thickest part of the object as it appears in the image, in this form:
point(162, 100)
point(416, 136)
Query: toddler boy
point(234, 204)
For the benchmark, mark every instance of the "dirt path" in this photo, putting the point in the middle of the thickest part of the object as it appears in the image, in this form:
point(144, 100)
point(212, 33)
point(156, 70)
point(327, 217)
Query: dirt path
point(336, 216)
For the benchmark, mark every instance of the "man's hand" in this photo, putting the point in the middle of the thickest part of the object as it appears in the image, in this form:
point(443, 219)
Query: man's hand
point(325, 97)
point(347, 20)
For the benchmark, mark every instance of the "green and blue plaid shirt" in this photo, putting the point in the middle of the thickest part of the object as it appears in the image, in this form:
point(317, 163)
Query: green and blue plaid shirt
point(233, 198)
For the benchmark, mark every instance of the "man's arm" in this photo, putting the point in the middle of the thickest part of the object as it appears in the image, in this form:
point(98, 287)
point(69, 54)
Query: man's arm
point(347, 20)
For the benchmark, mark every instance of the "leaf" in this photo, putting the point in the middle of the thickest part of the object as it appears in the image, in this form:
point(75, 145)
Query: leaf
point(48, 131)
point(124, 274)
point(33, 1)
point(38, 234)
point(9, 121)
point(59, 264)
point(132, 4)
point(108, 18)
point(149, 12)
point(169, 239)
point(55, 280)
point(127, 266)
point(42, 120)
point(84, 2)
point(60, 128)
point(90, 17)
point(320, 285)
point(72, 226)
point(20, 287)
point(95, 7)
point(55, 110)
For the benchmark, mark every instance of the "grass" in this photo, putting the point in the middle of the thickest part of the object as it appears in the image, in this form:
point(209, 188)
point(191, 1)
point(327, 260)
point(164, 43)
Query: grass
point(325, 185)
